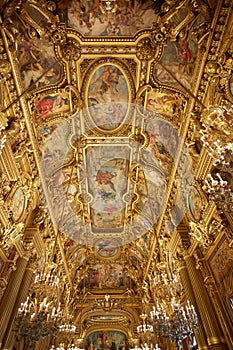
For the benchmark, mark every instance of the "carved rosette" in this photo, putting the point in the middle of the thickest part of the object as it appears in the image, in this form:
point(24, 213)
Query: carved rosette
point(160, 34)
point(58, 36)
point(145, 50)
point(71, 50)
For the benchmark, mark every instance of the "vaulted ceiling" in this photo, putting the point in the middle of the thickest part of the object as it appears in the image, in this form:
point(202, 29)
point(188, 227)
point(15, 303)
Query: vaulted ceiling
point(104, 102)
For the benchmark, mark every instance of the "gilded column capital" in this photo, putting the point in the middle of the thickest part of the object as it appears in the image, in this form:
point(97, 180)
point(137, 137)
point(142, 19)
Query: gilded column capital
point(202, 265)
point(30, 251)
point(32, 264)
point(180, 257)
point(181, 265)
point(204, 233)
point(11, 235)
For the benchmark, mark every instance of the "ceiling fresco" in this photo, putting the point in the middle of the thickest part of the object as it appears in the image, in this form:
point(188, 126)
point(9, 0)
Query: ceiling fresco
point(127, 18)
point(108, 276)
point(106, 248)
point(36, 57)
point(106, 340)
point(52, 104)
point(114, 189)
point(179, 57)
point(107, 176)
point(106, 162)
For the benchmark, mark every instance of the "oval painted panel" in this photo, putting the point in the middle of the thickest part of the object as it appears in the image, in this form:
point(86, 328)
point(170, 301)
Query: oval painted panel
point(18, 204)
point(108, 97)
point(195, 203)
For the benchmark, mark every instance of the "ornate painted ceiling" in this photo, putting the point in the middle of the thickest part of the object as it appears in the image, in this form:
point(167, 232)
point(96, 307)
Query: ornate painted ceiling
point(103, 103)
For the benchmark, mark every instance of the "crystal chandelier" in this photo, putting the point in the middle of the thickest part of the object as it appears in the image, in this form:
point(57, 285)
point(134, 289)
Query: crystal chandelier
point(145, 331)
point(41, 315)
point(178, 324)
point(62, 347)
point(160, 320)
point(147, 347)
point(166, 284)
point(225, 160)
point(220, 182)
point(216, 136)
point(220, 190)
point(67, 328)
point(144, 327)
point(217, 128)
point(37, 320)
point(216, 147)
point(47, 277)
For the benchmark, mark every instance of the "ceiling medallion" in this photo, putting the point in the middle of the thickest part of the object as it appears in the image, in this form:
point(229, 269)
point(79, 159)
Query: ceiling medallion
point(71, 50)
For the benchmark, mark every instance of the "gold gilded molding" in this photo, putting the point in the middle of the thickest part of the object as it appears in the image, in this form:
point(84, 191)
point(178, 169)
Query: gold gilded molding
point(214, 341)
point(11, 235)
point(145, 50)
point(7, 163)
point(36, 18)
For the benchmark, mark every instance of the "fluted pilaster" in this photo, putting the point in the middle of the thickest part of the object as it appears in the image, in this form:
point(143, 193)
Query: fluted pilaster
point(220, 310)
point(200, 335)
point(206, 310)
point(10, 295)
point(9, 337)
